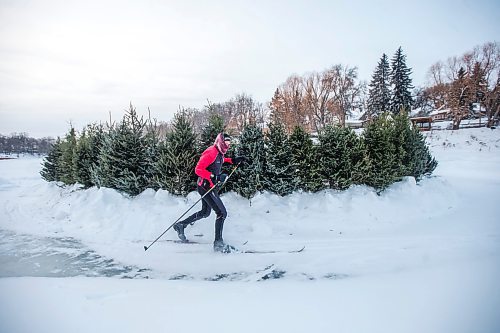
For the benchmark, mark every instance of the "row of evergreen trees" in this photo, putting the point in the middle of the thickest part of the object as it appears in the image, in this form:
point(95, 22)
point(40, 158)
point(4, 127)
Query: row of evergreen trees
point(130, 156)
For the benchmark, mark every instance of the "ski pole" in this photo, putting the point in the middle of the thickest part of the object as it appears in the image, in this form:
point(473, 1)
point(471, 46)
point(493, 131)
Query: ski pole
point(180, 217)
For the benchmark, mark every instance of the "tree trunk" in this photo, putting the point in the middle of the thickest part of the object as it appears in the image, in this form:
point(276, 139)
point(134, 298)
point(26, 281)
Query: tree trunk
point(491, 119)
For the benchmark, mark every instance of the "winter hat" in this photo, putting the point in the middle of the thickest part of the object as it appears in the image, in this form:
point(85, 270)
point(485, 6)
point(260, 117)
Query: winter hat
point(227, 137)
point(220, 142)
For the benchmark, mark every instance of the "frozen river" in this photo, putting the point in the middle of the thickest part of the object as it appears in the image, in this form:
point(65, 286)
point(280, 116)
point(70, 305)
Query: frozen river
point(28, 255)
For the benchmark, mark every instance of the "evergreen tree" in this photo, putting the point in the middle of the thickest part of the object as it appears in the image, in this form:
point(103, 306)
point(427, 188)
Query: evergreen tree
point(152, 142)
point(248, 178)
point(123, 162)
point(87, 154)
point(420, 161)
point(82, 161)
point(479, 85)
point(103, 171)
point(342, 157)
point(278, 176)
point(67, 158)
point(305, 168)
point(414, 155)
point(385, 163)
point(228, 168)
point(379, 94)
point(401, 83)
point(209, 133)
point(177, 158)
point(51, 169)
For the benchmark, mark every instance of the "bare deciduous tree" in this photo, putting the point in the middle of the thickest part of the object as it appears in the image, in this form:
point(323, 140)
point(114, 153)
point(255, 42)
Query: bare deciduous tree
point(288, 104)
point(318, 99)
point(452, 91)
point(436, 73)
point(460, 97)
point(243, 110)
point(346, 92)
point(317, 88)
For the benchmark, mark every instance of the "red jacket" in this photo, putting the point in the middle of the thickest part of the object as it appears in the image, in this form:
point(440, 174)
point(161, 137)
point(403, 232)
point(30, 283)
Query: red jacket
point(207, 165)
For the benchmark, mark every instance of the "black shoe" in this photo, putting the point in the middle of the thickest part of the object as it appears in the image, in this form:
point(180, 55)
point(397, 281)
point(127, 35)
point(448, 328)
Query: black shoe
point(179, 227)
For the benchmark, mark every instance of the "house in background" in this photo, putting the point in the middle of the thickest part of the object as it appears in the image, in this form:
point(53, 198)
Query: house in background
point(440, 114)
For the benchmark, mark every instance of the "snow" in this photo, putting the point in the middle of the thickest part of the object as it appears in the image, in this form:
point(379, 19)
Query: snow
point(418, 258)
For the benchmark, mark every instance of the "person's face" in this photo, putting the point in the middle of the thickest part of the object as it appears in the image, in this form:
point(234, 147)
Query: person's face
point(227, 142)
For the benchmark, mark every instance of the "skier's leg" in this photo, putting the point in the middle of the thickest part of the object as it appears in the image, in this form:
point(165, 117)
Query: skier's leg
point(204, 212)
point(216, 204)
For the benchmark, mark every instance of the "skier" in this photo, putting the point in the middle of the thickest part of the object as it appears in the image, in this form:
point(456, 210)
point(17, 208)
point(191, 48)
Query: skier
point(209, 171)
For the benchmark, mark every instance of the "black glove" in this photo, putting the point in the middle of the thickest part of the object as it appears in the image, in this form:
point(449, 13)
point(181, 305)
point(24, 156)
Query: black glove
point(220, 178)
point(239, 159)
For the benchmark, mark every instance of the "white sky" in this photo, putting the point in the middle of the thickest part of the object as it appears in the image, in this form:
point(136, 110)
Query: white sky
point(65, 60)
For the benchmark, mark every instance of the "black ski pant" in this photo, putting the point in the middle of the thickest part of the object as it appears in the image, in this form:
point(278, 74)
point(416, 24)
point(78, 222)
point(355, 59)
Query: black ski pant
point(209, 202)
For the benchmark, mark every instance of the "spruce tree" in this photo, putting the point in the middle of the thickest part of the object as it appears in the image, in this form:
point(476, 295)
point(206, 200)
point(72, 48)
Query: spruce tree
point(152, 142)
point(51, 169)
point(82, 161)
point(415, 158)
point(479, 85)
point(123, 162)
point(248, 178)
point(87, 154)
point(209, 133)
point(177, 158)
point(278, 176)
point(379, 94)
point(420, 162)
point(228, 168)
point(305, 167)
point(103, 172)
point(401, 83)
point(67, 158)
point(342, 157)
point(385, 163)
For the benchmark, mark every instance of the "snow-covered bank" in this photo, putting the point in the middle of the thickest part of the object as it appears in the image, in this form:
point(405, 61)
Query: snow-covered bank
point(418, 258)
point(354, 221)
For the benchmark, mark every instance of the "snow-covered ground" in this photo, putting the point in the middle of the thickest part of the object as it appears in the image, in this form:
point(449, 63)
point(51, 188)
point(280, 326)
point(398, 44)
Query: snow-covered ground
point(418, 258)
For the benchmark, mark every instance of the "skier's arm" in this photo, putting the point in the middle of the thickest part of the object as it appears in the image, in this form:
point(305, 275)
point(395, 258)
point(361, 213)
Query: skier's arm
point(228, 160)
point(207, 158)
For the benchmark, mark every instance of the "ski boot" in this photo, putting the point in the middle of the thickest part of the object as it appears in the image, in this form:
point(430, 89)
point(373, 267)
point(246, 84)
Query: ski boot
point(179, 228)
point(220, 246)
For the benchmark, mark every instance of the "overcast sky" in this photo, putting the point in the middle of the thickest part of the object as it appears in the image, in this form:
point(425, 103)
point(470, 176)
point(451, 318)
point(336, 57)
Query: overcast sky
point(76, 61)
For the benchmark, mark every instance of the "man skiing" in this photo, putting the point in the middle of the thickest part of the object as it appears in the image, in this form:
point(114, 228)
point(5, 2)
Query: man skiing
point(209, 171)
